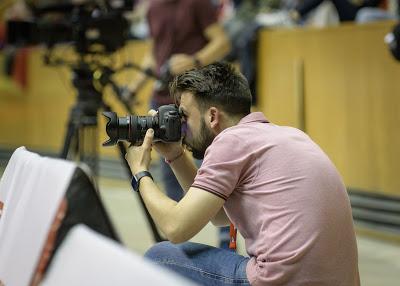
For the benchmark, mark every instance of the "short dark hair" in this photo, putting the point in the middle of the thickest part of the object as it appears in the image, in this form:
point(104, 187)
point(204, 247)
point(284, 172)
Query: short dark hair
point(215, 84)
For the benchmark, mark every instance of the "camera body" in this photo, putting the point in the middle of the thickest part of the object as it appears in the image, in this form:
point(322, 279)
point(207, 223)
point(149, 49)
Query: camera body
point(166, 125)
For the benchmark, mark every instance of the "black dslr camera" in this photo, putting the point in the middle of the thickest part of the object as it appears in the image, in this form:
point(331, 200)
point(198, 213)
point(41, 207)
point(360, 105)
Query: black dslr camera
point(166, 125)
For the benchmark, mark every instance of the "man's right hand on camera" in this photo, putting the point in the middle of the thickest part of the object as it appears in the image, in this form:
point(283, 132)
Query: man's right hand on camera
point(168, 151)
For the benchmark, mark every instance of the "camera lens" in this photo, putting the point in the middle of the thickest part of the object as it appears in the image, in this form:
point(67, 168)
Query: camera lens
point(130, 128)
point(166, 125)
point(116, 128)
point(139, 126)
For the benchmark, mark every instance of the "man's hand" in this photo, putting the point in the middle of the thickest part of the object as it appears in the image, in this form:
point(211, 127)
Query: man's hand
point(180, 63)
point(139, 157)
point(167, 150)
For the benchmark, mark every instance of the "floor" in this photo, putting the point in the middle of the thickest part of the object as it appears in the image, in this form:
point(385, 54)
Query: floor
point(379, 261)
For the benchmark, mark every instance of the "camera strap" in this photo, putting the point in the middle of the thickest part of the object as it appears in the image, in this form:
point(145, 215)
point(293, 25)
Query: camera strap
point(232, 236)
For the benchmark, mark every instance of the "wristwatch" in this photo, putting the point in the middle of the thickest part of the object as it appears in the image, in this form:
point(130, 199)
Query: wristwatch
point(137, 177)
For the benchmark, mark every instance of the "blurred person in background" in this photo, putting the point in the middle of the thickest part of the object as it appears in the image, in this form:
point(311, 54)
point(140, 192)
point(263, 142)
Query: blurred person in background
point(242, 20)
point(242, 28)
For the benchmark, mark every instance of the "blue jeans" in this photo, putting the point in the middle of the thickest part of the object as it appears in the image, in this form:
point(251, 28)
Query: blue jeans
point(201, 263)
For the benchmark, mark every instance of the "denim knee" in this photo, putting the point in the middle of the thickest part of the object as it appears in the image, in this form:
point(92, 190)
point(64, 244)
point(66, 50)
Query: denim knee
point(161, 251)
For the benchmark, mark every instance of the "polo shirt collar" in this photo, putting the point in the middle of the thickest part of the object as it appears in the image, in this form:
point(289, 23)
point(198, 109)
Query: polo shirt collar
point(254, 117)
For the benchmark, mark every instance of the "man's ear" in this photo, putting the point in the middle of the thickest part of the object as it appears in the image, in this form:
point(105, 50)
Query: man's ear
point(214, 117)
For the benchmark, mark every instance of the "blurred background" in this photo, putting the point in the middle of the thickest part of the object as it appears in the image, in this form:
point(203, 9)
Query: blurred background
point(330, 68)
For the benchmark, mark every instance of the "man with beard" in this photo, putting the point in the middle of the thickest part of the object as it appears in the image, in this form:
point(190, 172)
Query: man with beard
point(273, 182)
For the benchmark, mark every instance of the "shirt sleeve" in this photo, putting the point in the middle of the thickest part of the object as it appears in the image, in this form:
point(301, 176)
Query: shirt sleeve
point(206, 13)
point(223, 165)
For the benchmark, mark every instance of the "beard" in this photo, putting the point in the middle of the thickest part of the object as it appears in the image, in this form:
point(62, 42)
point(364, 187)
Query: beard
point(198, 145)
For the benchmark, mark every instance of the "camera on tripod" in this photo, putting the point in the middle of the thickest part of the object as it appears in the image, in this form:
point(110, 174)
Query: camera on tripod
point(92, 26)
point(166, 125)
point(95, 29)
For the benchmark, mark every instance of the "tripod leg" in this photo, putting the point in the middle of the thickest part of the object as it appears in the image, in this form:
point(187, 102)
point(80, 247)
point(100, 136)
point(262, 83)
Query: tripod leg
point(156, 234)
point(69, 136)
point(87, 147)
point(122, 152)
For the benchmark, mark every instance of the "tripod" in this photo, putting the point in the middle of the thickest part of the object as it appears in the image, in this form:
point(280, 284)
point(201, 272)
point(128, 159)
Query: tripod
point(81, 138)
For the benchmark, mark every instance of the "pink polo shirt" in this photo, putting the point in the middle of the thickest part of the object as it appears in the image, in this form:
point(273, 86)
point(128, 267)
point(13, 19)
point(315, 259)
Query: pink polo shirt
point(287, 200)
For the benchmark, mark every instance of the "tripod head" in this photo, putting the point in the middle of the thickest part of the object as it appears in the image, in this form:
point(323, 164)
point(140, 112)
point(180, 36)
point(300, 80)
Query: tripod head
point(95, 29)
point(91, 75)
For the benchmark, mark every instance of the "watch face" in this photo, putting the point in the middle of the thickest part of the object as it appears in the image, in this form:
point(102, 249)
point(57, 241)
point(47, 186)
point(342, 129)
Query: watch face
point(137, 177)
point(134, 183)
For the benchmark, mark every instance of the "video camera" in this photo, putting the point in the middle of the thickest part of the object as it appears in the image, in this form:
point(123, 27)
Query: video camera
point(92, 26)
point(166, 125)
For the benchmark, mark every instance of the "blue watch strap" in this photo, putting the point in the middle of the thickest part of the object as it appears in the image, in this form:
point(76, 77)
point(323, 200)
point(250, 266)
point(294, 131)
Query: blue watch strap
point(137, 177)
